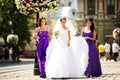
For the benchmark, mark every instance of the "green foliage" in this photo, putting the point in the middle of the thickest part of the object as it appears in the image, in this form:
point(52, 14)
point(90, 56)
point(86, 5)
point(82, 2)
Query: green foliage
point(9, 12)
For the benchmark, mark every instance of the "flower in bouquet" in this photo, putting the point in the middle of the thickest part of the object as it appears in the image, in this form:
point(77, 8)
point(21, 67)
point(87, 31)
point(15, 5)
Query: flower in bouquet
point(116, 33)
point(56, 33)
point(36, 37)
point(12, 39)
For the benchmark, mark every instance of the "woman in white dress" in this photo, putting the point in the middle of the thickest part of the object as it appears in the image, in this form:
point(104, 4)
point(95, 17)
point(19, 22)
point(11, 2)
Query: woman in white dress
point(67, 54)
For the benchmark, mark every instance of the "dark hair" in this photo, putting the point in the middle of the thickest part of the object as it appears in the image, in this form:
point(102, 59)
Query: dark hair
point(92, 28)
point(40, 20)
point(63, 18)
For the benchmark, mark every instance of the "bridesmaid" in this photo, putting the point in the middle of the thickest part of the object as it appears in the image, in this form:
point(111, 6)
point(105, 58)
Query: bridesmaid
point(89, 33)
point(42, 43)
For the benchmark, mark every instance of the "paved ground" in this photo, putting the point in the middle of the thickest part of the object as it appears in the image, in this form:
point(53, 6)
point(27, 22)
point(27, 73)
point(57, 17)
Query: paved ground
point(24, 71)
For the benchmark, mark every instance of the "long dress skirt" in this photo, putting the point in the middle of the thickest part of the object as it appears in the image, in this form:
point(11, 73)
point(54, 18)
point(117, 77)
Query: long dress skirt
point(94, 67)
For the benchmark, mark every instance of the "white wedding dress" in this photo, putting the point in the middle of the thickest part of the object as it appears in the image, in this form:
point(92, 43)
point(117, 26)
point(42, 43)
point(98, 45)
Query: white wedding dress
point(63, 61)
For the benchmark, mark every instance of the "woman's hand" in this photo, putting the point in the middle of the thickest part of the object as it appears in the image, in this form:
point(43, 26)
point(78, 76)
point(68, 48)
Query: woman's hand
point(56, 36)
point(68, 44)
point(86, 38)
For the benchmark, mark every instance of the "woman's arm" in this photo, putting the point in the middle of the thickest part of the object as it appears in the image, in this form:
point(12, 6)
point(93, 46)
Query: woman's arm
point(48, 32)
point(82, 32)
point(92, 38)
point(69, 37)
point(35, 35)
point(37, 30)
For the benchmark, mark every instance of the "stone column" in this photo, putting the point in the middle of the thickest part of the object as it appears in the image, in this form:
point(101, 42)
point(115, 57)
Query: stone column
point(100, 11)
point(100, 31)
point(100, 22)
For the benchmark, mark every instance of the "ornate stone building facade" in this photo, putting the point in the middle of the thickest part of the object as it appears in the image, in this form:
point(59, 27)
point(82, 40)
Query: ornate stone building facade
point(101, 10)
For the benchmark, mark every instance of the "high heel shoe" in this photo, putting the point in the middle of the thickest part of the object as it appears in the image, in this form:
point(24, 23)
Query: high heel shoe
point(43, 76)
point(89, 76)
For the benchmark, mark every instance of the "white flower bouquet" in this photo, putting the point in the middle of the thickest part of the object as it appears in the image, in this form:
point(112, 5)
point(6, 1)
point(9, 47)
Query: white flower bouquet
point(27, 6)
point(36, 37)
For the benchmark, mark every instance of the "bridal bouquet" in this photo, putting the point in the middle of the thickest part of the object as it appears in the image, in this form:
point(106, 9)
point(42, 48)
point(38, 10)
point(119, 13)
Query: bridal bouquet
point(57, 33)
point(116, 33)
point(36, 37)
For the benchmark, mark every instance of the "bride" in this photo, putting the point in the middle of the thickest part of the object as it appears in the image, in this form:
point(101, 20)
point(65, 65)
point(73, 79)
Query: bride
point(67, 54)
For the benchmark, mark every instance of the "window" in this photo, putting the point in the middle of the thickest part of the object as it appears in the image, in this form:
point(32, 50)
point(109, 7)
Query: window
point(91, 7)
point(73, 13)
point(110, 6)
point(69, 3)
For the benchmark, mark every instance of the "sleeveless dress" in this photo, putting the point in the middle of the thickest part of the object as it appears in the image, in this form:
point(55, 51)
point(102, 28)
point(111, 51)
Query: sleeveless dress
point(63, 61)
point(94, 67)
point(41, 50)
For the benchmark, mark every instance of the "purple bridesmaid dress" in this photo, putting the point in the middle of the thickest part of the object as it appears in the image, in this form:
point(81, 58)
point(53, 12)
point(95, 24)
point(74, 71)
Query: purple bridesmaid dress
point(41, 50)
point(94, 67)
